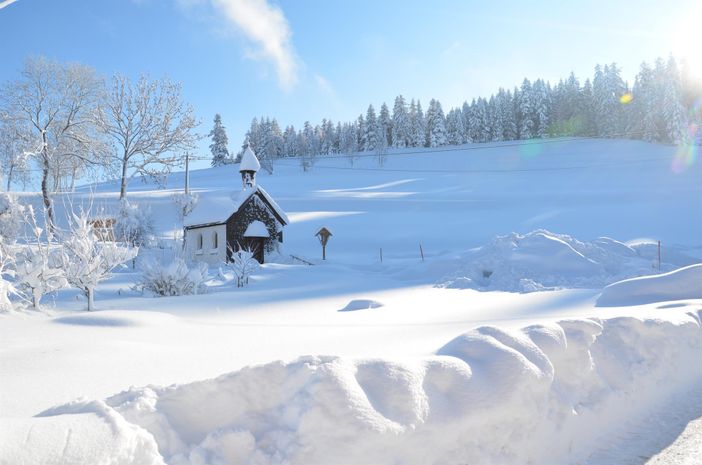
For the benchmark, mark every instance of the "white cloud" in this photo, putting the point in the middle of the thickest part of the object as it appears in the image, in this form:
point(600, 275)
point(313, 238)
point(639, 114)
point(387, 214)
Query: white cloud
point(4, 3)
point(266, 26)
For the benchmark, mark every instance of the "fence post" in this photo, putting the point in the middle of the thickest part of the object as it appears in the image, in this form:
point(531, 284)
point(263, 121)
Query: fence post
point(659, 256)
point(421, 251)
point(381, 255)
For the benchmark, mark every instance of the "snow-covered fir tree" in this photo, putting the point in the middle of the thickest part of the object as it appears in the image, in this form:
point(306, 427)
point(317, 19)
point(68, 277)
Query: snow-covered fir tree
point(385, 124)
point(370, 137)
point(218, 147)
point(400, 124)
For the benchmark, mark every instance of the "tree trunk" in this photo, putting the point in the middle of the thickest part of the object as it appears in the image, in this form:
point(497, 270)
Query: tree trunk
point(90, 293)
point(9, 178)
point(36, 298)
point(123, 183)
point(45, 188)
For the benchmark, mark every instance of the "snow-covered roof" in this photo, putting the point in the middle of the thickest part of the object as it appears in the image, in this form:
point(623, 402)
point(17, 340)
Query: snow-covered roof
point(249, 162)
point(256, 229)
point(216, 209)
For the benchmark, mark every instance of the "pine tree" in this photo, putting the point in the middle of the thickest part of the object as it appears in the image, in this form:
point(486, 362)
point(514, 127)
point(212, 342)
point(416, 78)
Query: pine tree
point(436, 125)
point(361, 133)
point(525, 111)
point(400, 124)
point(541, 102)
point(371, 135)
point(218, 147)
point(385, 123)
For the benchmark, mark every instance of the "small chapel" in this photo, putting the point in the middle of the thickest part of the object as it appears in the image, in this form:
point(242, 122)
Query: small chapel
point(223, 223)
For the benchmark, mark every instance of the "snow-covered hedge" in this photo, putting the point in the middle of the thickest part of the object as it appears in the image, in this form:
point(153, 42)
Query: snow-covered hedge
point(545, 394)
point(173, 278)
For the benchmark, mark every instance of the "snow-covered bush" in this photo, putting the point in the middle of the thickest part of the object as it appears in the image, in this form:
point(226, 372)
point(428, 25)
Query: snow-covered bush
point(38, 263)
point(11, 218)
point(89, 260)
point(134, 224)
point(242, 264)
point(173, 278)
point(185, 203)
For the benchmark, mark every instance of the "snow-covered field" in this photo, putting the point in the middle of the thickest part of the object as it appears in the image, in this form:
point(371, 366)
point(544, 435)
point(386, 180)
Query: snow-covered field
point(492, 350)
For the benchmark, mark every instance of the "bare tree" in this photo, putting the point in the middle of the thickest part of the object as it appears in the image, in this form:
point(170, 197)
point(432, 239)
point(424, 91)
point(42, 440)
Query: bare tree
point(148, 124)
point(56, 104)
point(13, 156)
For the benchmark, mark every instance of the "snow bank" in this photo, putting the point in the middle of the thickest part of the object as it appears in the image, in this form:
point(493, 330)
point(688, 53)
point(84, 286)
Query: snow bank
point(542, 260)
point(684, 283)
point(544, 394)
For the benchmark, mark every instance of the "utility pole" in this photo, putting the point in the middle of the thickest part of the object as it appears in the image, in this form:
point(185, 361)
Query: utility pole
point(187, 173)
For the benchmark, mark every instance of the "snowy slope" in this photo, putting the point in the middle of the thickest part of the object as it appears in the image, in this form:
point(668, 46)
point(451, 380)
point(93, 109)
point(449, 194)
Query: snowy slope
point(455, 199)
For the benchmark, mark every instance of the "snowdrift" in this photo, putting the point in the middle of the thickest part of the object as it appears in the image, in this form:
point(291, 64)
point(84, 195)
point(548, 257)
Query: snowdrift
point(544, 394)
point(542, 260)
point(685, 283)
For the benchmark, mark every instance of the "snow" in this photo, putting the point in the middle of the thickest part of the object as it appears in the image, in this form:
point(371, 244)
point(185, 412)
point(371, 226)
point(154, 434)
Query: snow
point(435, 375)
point(541, 260)
point(249, 162)
point(680, 284)
point(539, 394)
point(217, 208)
point(256, 229)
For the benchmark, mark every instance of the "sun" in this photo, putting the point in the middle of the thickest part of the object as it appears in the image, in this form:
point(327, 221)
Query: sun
point(685, 42)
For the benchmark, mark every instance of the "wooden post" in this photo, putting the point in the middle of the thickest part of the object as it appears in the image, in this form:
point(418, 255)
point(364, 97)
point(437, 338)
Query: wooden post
point(421, 251)
point(324, 251)
point(659, 256)
point(381, 255)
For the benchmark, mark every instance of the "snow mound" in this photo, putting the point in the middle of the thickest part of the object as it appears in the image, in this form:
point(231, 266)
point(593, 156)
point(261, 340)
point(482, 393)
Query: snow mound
point(361, 304)
point(684, 283)
point(79, 433)
point(542, 260)
point(543, 394)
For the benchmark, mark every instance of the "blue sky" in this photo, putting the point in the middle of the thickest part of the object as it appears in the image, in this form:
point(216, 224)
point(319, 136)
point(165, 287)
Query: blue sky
point(303, 60)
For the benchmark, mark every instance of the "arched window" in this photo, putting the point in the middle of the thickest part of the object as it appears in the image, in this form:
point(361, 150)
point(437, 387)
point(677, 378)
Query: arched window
point(199, 241)
point(215, 240)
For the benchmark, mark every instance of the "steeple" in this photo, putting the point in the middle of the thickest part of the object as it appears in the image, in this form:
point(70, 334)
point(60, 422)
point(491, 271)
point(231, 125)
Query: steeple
point(248, 167)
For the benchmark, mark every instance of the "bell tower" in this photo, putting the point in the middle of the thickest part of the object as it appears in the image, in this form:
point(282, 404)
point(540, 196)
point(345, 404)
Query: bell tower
point(248, 168)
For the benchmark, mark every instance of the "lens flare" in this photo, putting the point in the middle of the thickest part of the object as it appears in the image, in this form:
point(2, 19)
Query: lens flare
point(687, 152)
point(530, 149)
point(626, 98)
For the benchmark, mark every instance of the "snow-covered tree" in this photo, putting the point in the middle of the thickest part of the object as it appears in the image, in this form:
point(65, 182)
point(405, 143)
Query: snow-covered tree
point(54, 105)
point(13, 155)
point(541, 105)
point(149, 125)
point(417, 124)
point(436, 125)
point(12, 217)
point(242, 264)
point(134, 223)
point(39, 263)
point(525, 111)
point(370, 136)
point(185, 203)
point(89, 259)
point(218, 147)
point(454, 127)
point(400, 124)
point(385, 126)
